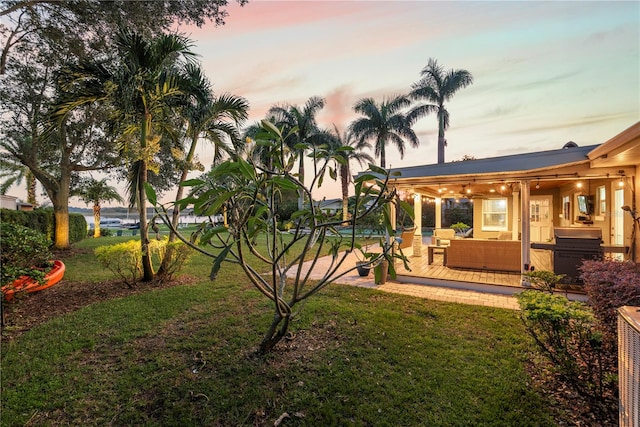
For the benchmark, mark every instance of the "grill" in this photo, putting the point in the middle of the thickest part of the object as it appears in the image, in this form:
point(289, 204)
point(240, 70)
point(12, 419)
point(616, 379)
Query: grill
point(573, 245)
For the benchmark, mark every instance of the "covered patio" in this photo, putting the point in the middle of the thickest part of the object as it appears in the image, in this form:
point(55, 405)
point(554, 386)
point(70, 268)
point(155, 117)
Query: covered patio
point(527, 197)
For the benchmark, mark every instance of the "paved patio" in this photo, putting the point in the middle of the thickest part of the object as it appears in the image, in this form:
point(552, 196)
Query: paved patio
point(417, 290)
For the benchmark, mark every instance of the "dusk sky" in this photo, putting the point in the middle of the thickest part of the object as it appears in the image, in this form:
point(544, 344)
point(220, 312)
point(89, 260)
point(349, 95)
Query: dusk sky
point(545, 73)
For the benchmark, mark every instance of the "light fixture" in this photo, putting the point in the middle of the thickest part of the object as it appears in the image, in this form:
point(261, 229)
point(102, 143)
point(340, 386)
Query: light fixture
point(621, 182)
point(579, 184)
point(538, 185)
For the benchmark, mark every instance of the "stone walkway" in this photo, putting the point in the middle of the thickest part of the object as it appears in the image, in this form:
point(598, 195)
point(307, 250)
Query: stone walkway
point(416, 290)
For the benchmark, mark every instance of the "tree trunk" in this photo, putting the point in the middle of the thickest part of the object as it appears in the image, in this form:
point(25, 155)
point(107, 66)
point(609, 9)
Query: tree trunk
point(96, 221)
point(175, 220)
point(274, 334)
point(383, 161)
point(147, 268)
point(344, 181)
point(301, 178)
point(31, 188)
point(61, 217)
point(59, 195)
point(441, 145)
point(441, 140)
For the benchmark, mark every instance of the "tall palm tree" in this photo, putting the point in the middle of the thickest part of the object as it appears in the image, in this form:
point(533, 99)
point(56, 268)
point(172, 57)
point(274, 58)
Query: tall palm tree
point(348, 149)
point(212, 118)
point(148, 80)
point(303, 121)
point(93, 191)
point(435, 87)
point(383, 124)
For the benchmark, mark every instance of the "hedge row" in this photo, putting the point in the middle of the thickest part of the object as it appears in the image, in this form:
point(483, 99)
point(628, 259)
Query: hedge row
point(43, 221)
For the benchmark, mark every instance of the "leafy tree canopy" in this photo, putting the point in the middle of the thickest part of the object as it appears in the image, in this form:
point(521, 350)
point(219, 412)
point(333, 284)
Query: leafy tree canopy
point(87, 24)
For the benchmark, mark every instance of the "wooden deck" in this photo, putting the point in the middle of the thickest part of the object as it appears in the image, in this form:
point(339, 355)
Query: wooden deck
point(436, 273)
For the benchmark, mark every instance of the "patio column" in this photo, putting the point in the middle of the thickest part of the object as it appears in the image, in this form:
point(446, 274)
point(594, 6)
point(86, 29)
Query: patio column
point(516, 207)
point(525, 230)
point(417, 235)
point(438, 212)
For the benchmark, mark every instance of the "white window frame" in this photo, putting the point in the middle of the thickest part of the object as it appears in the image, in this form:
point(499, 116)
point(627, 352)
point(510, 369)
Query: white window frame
point(486, 205)
point(601, 193)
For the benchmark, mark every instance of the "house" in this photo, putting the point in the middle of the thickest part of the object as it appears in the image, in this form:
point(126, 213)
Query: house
point(330, 206)
point(13, 203)
point(530, 198)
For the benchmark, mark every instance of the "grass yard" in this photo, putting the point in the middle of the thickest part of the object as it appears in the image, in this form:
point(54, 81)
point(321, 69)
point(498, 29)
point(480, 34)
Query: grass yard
point(184, 355)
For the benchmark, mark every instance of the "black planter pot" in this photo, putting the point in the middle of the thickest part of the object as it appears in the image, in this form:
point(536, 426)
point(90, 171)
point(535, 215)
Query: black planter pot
point(363, 269)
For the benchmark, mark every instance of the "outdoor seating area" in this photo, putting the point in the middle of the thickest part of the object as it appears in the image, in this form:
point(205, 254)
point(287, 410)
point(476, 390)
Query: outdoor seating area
point(485, 254)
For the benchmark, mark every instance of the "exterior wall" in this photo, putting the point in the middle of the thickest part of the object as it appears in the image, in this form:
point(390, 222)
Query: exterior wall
point(8, 202)
point(602, 220)
point(636, 206)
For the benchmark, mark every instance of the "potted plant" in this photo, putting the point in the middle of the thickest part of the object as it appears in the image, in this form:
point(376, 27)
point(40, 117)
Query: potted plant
point(460, 227)
point(364, 263)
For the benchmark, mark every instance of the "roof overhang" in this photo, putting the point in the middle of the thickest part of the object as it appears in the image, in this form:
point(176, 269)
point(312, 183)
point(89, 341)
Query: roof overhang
point(623, 150)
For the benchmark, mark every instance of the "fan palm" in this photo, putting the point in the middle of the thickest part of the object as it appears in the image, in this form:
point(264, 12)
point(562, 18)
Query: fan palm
point(303, 123)
point(147, 82)
point(93, 191)
point(383, 124)
point(435, 87)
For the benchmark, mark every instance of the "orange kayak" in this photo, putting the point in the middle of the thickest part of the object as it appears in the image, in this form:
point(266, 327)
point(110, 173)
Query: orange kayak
point(26, 283)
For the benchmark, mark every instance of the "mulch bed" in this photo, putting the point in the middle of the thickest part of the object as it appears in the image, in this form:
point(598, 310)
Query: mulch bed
point(33, 309)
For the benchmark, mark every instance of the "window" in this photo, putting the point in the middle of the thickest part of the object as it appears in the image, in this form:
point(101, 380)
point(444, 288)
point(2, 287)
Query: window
point(566, 207)
point(494, 215)
point(601, 194)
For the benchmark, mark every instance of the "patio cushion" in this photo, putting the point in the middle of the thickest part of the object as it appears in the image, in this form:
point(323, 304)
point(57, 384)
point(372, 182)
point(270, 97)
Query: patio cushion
point(445, 235)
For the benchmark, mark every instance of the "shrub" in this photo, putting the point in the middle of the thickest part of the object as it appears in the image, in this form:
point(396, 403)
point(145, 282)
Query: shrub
point(544, 280)
point(180, 255)
point(125, 259)
point(23, 251)
point(42, 220)
point(460, 227)
point(610, 285)
point(566, 334)
point(77, 227)
point(122, 259)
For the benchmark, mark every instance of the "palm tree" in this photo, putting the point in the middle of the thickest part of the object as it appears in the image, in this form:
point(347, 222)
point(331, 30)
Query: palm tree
point(384, 123)
point(348, 149)
point(13, 172)
point(93, 191)
point(303, 122)
point(435, 88)
point(147, 82)
point(215, 119)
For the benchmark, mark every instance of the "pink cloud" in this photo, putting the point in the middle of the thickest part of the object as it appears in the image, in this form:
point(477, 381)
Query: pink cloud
point(258, 16)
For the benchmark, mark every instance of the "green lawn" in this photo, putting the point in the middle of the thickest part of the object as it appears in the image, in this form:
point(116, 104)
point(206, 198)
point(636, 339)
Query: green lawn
point(184, 356)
